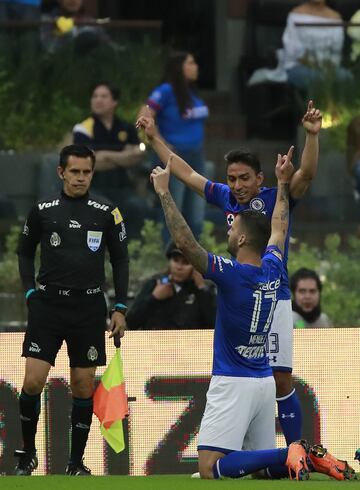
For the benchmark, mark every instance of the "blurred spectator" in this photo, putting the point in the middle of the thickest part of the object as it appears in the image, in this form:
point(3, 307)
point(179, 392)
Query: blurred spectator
point(354, 33)
point(117, 148)
point(20, 9)
point(85, 37)
point(180, 115)
point(178, 299)
point(309, 53)
point(353, 153)
point(115, 142)
point(306, 288)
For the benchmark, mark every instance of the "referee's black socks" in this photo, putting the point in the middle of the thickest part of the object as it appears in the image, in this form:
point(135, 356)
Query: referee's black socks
point(29, 416)
point(81, 416)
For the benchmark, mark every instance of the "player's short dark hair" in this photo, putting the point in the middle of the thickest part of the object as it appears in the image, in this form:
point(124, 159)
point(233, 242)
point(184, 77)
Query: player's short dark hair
point(80, 151)
point(258, 228)
point(115, 91)
point(243, 156)
point(304, 273)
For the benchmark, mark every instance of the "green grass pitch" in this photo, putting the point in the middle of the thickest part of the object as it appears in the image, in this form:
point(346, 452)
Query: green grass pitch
point(173, 482)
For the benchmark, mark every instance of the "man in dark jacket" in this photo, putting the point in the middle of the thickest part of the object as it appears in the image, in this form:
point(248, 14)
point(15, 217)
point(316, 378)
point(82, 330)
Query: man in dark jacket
point(178, 299)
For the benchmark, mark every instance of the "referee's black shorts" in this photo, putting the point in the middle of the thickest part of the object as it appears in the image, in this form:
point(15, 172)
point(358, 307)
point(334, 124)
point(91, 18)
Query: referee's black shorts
point(79, 320)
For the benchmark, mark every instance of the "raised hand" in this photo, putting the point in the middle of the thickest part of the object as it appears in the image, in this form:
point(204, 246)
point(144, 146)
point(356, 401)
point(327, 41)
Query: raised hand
point(312, 119)
point(160, 177)
point(284, 168)
point(148, 125)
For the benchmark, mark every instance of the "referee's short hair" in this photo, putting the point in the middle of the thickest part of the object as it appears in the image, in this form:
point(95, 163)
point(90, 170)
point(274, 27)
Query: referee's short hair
point(80, 151)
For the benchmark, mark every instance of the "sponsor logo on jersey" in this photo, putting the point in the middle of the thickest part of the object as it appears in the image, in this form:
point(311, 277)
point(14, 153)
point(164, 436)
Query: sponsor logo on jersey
point(92, 354)
point(34, 347)
point(290, 415)
point(74, 224)
point(269, 286)
point(251, 352)
point(94, 240)
point(230, 218)
point(50, 204)
point(97, 205)
point(122, 233)
point(25, 229)
point(117, 216)
point(257, 204)
point(196, 112)
point(93, 290)
point(220, 260)
point(55, 239)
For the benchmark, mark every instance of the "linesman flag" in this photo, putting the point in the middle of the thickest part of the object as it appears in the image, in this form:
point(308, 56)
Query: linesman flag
point(110, 401)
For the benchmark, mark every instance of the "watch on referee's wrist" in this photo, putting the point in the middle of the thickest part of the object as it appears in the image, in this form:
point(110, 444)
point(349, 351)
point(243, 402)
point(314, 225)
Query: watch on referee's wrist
point(120, 308)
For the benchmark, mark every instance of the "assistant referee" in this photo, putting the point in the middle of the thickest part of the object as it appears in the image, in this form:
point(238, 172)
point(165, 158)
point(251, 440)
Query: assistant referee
point(73, 228)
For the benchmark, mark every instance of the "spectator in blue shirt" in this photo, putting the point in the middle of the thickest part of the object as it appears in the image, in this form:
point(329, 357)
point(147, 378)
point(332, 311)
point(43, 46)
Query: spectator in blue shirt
point(180, 116)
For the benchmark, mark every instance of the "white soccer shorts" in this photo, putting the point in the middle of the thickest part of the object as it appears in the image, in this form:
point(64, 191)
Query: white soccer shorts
point(280, 340)
point(239, 414)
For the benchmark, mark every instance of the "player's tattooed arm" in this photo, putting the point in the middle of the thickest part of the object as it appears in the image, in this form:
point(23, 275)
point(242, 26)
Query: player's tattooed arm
point(179, 229)
point(280, 217)
point(182, 235)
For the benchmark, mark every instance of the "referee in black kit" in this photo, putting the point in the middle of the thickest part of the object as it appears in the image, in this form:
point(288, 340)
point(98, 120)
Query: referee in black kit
point(73, 229)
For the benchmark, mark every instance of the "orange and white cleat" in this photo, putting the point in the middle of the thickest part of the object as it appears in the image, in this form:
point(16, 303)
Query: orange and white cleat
point(297, 460)
point(322, 461)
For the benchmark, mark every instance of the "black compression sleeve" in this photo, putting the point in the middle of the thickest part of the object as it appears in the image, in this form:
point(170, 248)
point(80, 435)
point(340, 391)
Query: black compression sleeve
point(27, 272)
point(120, 269)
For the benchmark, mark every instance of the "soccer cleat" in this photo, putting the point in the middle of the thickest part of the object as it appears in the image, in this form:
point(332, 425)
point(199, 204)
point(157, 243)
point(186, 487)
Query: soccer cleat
point(296, 460)
point(28, 462)
point(78, 469)
point(321, 461)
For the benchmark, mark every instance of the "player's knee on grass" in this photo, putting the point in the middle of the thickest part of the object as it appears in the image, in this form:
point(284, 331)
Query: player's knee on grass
point(207, 459)
point(206, 472)
point(284, 383)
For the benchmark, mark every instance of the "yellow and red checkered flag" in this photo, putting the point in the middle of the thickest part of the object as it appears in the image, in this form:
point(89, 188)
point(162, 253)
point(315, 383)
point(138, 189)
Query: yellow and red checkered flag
point(110, 401)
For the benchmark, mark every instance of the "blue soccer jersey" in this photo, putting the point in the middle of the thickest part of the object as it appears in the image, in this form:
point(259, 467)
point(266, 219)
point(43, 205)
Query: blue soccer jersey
point(246, 300)
point(221, 196)
point(184, 131)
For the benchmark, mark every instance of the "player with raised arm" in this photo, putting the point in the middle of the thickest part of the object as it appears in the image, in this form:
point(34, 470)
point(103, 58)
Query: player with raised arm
point(238, 427)
point(244, 191)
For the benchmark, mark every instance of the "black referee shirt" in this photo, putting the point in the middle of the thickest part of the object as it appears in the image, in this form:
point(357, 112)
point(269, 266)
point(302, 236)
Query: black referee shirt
point(73, 234)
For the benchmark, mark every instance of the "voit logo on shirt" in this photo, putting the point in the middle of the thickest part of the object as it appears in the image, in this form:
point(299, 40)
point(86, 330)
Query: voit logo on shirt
point(94, 240)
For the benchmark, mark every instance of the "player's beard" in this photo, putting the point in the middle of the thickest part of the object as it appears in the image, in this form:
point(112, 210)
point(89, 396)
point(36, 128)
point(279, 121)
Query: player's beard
point(231, 248)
